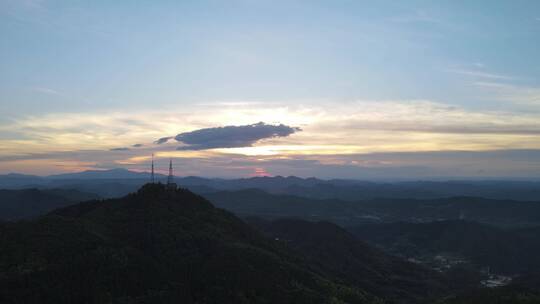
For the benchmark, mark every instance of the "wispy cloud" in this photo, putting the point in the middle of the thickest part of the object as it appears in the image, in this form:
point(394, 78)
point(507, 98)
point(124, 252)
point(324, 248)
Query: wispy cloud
point(479, 74)
point(40, 13)
point(520, 94)
point(120, 149)
point(330, 129)
point(163, 140)
point(393, 165)
point(45, 90)
point(500, 87)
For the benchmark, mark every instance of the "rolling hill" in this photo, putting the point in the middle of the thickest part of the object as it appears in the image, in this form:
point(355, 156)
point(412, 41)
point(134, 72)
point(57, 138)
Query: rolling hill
point(507, 251)
point(155, 246)
point(253, 202)
point(338, 252)
point(28, 203)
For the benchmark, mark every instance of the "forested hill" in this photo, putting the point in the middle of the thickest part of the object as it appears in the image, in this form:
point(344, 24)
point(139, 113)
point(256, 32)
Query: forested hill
point(155, 246)
point(505, 213)
point(339, 252)
point(173, 246)
point(508, 251)
point(28, 203)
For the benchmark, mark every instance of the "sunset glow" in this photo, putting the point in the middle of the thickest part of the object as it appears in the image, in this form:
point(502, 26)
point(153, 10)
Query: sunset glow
point(411, 96)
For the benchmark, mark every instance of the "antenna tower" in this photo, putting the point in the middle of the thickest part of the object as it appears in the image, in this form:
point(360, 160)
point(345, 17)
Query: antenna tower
point(152, 175)
point(170, 179)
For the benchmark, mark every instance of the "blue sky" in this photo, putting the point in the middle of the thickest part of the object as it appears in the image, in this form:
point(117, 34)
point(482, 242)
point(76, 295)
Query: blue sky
point(96, 75)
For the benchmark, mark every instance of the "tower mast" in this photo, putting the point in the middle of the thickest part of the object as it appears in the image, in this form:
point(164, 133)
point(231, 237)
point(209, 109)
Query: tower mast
point(170, 179)
point(152, 176)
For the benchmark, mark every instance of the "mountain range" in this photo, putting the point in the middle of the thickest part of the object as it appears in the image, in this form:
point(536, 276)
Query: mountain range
point(506, 251)
point(29, 203)
point(159, 245)
point(254, 202)
point(119, 182)
point(25, 203)
point(163, 246)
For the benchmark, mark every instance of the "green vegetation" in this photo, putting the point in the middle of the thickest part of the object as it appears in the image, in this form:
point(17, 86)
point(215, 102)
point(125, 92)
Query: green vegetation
point(172, 246)
point(155, 246)
point(342, 255)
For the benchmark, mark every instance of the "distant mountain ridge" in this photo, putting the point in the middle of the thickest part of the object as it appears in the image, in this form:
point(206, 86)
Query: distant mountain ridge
point(253, 202)
point(350, 190)
point(29, 203)
point(26, 203)
point(103, 174)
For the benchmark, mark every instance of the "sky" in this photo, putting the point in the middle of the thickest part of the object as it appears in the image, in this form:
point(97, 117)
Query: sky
point(332, 89)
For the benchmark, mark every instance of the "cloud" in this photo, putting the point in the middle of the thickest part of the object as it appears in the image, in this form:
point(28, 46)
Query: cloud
point(428, 118)
point(472, 127)
point(137, 145)
point(163, 140)
point(524, 163)
point(119, 149)
point(479, 74)
point(45, 90)
point(520, 94)
point(336, 128)
point(230, 136)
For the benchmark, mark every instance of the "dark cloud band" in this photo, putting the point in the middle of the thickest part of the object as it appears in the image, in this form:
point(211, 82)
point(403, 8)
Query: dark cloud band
point(229, 136)
point(163, 140)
